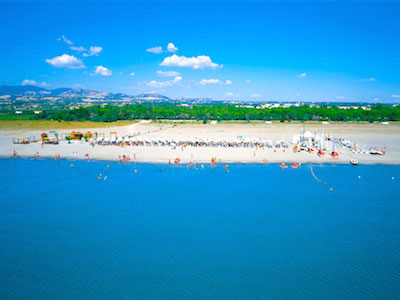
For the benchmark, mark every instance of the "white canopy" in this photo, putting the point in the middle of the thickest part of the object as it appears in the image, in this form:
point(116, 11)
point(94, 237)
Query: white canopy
point(308, 135)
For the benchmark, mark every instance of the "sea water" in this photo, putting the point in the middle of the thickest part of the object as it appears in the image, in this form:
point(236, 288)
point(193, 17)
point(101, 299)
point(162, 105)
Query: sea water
point(167, 232)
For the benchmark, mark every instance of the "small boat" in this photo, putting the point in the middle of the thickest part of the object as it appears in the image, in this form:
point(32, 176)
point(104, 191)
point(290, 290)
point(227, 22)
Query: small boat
point(354, 162)
point(283, 166)
point(373, 151)
point(334, 154)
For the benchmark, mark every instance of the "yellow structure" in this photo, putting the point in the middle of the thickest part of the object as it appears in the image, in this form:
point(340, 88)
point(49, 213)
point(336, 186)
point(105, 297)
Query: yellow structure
point(77, 135)
point(50, 140)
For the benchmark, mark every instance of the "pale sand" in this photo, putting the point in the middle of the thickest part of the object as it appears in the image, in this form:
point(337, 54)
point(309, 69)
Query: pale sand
point(368, 134)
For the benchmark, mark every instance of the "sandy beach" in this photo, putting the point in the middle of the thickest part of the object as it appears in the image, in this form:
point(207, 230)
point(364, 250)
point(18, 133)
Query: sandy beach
point(368, 135)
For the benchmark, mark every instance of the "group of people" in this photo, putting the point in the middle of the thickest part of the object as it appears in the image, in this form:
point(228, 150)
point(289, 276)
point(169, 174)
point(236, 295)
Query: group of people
point(185, 142)
point(124, 158)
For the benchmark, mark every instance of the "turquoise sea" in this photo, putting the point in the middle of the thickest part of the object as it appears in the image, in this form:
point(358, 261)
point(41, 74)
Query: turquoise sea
point(255, 232)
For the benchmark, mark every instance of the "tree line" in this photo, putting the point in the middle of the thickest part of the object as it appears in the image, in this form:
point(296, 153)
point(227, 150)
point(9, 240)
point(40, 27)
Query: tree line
point(112, 113)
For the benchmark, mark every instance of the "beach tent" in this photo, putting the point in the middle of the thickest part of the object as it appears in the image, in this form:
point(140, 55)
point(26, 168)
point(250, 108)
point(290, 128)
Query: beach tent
point(308, 135)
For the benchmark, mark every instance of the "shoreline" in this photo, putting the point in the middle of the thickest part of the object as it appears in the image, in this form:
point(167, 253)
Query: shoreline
point(183, 164)
point(365, 135)
point(219, 162)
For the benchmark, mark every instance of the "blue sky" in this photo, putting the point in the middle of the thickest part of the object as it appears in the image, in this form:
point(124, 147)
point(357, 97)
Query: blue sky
point(288, 51)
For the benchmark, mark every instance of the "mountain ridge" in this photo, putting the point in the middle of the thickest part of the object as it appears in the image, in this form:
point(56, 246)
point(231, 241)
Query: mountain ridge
point(31, 90)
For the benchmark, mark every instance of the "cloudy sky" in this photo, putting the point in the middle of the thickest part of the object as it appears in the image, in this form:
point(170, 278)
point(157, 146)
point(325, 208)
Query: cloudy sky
point(294, 50)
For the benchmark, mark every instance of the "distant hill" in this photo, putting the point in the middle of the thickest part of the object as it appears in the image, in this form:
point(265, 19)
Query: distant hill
point(151, 96)
point(59, 91)
point(68, 93)
point(16, 90)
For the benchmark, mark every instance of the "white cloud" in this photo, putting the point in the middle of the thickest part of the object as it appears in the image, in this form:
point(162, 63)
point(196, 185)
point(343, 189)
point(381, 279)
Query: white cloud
point(368, 79)
point(209, 81)
point(171, 48)
point(298, 94)
point(94, 50)
point(156, 50)
point(132, 74)
point(231, 95)
point(340, 97)
point(64, 39)
point(33, 82)
point(103, 71)
point(168, 73)
point(79, 49)
point(256, 96)
point(395, 96)
point(29, 82)
point(214, 81)
point(65, 61)
point(302, 75)
point(162, 84)
point(248, 81)
point(199, 62)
